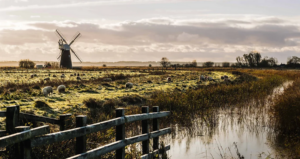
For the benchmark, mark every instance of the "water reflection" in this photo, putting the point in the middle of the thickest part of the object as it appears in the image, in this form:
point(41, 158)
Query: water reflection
point(245, 131)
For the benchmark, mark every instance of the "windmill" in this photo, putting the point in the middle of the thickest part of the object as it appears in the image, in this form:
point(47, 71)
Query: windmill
point(65, 55)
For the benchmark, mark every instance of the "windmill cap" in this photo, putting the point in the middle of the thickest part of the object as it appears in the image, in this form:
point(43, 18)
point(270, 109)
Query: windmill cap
point(66, 47)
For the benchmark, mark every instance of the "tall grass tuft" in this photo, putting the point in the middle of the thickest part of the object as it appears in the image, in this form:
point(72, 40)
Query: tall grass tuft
point(286, 114)
point(205, 101)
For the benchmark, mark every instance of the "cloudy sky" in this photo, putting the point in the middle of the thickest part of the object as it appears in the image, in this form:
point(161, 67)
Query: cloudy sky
point(146, 30)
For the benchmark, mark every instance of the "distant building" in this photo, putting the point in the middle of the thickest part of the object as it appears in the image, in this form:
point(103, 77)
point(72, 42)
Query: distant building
point(39, 66)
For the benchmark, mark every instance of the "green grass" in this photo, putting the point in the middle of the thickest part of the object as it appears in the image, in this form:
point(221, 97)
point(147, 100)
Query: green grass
point(77, 92)
point(185, 97)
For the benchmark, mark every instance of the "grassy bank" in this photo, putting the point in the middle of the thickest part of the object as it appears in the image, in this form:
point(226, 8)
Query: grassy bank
point(205, 101)
point(286, 115)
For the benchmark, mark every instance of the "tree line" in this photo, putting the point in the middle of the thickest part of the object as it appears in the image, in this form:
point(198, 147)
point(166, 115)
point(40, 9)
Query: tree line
point(252, 59)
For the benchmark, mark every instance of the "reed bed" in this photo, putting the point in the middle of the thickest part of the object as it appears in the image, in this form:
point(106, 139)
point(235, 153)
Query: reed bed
point(286, 118)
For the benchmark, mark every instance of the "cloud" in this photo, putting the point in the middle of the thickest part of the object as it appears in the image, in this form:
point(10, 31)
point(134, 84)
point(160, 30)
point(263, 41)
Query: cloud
point(145, 32)
point(35, 16)
point(36, 4)
point(158, 36)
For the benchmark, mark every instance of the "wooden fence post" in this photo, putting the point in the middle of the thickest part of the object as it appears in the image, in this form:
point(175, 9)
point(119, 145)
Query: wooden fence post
point(145, 129)
point(120, 134)
point(81, 141)
point(24, 147)
point(155, 128)
point(63, 121)
point(12, 118)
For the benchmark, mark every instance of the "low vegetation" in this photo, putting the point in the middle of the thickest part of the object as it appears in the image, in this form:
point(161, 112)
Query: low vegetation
point(26, 64)
point(286, 113)
point(186, 96)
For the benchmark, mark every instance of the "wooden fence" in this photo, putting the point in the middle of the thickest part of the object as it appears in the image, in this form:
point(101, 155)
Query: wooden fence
point(25, 138)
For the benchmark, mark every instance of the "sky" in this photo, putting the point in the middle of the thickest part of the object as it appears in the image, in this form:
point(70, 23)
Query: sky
point(147, 30)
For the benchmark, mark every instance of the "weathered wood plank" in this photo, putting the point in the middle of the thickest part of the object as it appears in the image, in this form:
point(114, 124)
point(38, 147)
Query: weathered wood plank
point(152, 154)
point(119, 144)
point(64, 121)
point(76, 132)
point(31, 117)
point(12, 118)
point(145, 129)
point(155, 123)
point(2, 113)
point(24, 147)
point(81, 141)
point(100, 151)
point(120, 134)
point(24, 135)
point(138, 117)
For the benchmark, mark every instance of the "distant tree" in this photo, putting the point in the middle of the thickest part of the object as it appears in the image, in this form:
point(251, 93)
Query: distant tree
point(225, 64)
point(240, 61)
point(194, 63)
point(150, 65)
point(104, 65)
point(164, 62)
point(252, 59)
point(208, 64)
point(26, 64)
point(272, 61)
point(293, 61)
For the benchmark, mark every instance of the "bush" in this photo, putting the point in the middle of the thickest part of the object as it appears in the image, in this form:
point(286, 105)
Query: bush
point(133, 100)
point(51, 64)
point(208, 64)
point(106, 107)
point(194, 63)
point(225, 64)
point(26, 64)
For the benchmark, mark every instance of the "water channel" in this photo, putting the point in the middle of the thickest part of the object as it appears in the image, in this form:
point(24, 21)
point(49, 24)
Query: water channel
point(243, 131)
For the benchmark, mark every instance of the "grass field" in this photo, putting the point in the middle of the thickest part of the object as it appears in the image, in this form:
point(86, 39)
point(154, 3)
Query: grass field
point(185, 96)
point(15, 85)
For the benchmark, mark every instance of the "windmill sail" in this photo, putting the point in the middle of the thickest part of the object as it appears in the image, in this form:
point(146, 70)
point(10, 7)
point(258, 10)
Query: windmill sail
point(65, 56)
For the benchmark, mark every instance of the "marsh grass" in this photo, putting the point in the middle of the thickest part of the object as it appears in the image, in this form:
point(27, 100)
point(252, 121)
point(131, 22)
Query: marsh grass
point(202, 102)
point(205, 101)
point(286, 113)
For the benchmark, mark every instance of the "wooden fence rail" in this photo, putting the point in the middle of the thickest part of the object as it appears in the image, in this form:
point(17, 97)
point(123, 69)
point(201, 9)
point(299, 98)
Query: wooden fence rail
point(120, 144)
point(2, 113)
point(30, 117)
point(25, 137)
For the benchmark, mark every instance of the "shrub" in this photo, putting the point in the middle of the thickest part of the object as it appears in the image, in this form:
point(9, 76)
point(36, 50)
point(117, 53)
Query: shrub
point(26, 64)
point(225, 64)
point(133, 100)
point(106, 107)
point(51, 64)
point(208, 64)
